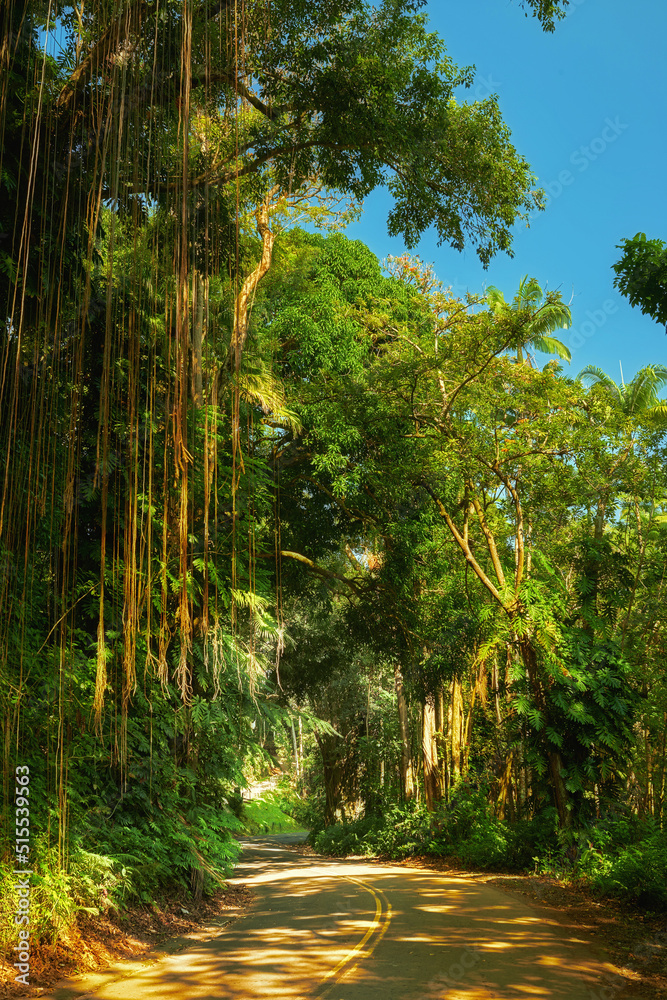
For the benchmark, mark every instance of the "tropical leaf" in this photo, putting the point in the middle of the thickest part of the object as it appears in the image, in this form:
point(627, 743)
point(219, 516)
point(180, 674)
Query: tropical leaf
point(639, 398)
point(537, 314)
point(551, 345)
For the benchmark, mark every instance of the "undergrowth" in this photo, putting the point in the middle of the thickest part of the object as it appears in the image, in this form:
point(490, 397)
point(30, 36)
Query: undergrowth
point(619, 857)
point(92, 883)
point(136, 859)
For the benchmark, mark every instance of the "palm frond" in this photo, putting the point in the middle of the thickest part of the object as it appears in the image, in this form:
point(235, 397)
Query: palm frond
point(550, 345)
point(643, 389)
point(263, 387)
point(529, 295)
point(551, 316)
point(658, 413)
point(496, 299)
point(592, 375)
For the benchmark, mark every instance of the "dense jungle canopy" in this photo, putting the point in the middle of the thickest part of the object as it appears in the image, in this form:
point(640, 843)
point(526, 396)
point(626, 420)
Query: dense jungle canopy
point(256, 483)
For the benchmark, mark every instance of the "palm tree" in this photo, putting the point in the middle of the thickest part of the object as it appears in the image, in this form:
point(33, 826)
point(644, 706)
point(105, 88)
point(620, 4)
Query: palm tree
point(639, 398)
point(637, 402)
point(541, 314)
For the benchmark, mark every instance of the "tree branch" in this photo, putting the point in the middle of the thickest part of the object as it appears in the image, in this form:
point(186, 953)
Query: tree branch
point(465, 547)
point(474, 375)
point(104, 45)
point(490, 541)
point(320, 570)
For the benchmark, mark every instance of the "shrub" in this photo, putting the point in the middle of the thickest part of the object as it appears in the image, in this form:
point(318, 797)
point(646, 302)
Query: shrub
point(405, 830)
point(308, 812)
point(465, 828)
point(636, 873)
point(341, 839)
point(92, 883)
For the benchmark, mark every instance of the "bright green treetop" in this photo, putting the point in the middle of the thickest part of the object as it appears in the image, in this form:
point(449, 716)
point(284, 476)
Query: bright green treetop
point(539, 315)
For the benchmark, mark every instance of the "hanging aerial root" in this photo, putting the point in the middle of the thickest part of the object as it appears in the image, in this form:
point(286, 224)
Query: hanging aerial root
point(100, 676)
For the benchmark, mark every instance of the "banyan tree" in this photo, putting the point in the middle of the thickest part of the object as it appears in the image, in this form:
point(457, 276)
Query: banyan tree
point(151, 152)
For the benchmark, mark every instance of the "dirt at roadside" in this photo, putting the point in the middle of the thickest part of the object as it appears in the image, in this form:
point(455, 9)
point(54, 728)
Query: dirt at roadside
point(140, 931)
point(635, 941)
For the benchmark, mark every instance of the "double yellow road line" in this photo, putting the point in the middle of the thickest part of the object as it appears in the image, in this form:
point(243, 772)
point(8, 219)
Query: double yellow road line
point(364, 948)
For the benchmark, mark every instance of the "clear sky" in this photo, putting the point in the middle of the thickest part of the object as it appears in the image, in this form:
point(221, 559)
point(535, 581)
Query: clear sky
point(589, 100)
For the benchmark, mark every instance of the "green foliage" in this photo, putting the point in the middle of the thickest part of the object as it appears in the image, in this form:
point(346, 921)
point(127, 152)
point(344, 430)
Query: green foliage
point(163, 850)
point(343, 839)
point(537, 316)
point(621, 857)
point(150, 485)
point(590, 708)
point(272, 812)
point(308, 812)
point(464, 829)
point(483, 493)
point(469, 831)
point(549, 12)
point(638, 400)
point(92, 883)
point(636, 874)
point(400, 832)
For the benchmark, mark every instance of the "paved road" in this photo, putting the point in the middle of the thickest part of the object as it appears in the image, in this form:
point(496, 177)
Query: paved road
point(352, 930)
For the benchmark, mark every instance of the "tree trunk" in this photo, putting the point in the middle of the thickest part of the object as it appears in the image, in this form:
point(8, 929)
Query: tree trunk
point(660, 799)
point(407, 777)
point(300, 749)
point(559, 789)
point(480, 682)
point(525, 790)
point(495, 687)
point(457, 725)
point(296, 751)
point(240, 331)
point(442, 728)
point(331, 770)
point(554, 759)
point(505, 791)
point(432, 789)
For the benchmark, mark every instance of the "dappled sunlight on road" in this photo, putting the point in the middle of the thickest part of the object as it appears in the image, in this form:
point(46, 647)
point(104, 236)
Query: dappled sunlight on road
point(352, 930)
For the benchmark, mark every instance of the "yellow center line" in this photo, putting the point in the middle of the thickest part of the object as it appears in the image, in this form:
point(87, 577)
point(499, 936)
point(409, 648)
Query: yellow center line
point(380, 922)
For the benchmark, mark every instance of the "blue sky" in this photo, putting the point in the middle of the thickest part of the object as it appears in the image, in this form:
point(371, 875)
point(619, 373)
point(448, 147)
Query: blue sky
point(586, 104)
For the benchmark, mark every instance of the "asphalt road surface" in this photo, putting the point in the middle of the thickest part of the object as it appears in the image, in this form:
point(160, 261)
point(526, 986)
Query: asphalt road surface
point(322, 929)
